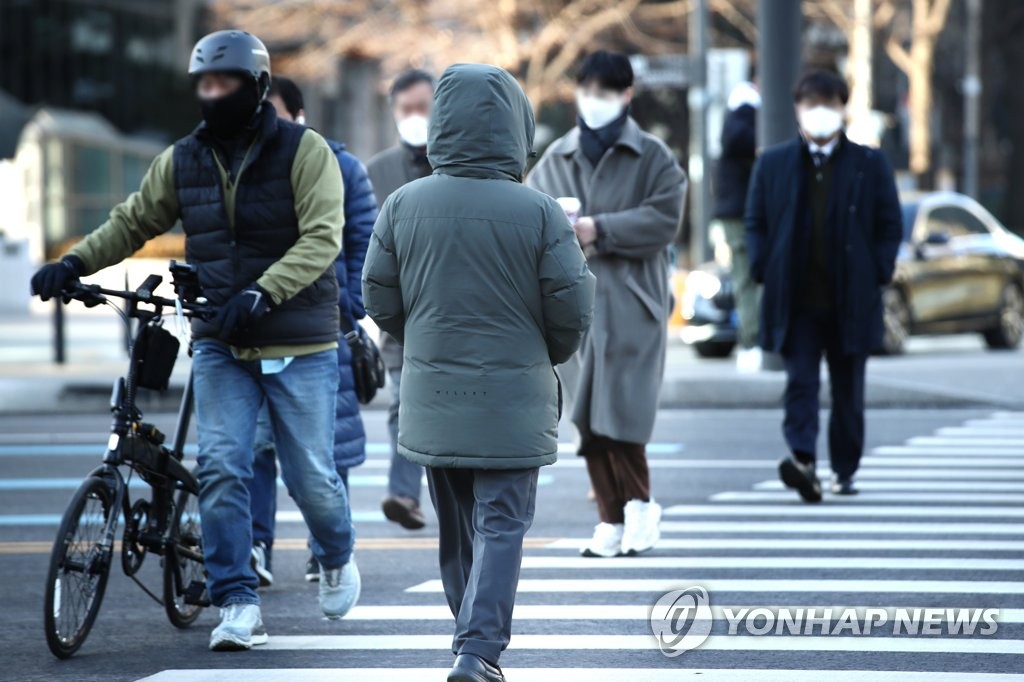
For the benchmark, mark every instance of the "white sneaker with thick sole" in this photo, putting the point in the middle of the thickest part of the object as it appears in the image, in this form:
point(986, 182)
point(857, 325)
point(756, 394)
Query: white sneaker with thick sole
point(607, 541)
point(642, 527)
point(749, 360)
point(339, 589)
point(241, 628)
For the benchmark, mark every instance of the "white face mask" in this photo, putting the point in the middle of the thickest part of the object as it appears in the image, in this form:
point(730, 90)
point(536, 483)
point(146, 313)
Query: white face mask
point(414, 130)
point(821, 122)
point(300, 119)
point(597, 112)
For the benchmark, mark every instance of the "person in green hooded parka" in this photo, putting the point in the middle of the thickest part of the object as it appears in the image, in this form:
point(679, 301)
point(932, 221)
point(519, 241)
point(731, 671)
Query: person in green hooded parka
point(484, 283)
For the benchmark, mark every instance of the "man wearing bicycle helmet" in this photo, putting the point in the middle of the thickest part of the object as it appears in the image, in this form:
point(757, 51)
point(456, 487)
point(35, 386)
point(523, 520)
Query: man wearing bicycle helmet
point(260, 201)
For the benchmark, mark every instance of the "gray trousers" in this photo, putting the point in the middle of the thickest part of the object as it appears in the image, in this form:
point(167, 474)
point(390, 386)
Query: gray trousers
point(404, 477)
point(482, 517)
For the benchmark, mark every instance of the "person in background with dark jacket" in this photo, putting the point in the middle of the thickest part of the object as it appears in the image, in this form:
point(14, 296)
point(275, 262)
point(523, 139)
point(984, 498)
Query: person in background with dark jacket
point(631, 189)
point(260, 201)
point(823, 229)
point(739, 150)
point(483, 281)
point(411, 97)
point(349, 436)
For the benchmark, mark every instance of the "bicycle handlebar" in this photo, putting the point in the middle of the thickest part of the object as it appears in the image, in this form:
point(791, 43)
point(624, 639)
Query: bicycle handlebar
point(95, 294)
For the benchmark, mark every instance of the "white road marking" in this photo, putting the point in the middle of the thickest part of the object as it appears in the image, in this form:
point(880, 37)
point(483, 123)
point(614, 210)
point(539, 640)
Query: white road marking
point(843, 527)
point(773, 562)
point(965, 486)
point(868, 497)
point(720, 585)
point(671, 674)
point(821, 544)
point(606, 611)
point(773, 643)
point(797, 508)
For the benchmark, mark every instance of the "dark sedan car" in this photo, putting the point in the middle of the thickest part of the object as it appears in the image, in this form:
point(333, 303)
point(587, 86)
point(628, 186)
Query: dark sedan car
point(959, 270)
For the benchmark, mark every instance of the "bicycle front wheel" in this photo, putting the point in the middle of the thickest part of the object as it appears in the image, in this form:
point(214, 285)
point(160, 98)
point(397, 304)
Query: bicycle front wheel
point(79, 567)
point(184, 570)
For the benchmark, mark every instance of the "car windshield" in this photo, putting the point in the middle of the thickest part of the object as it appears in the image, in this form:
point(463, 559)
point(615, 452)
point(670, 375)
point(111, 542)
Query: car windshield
point(909, 216)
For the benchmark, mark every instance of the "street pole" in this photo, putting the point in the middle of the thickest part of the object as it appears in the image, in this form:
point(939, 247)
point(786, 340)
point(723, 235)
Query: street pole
point(778, 66)
point(779, 24)
point(972, 98)
point(698, 166)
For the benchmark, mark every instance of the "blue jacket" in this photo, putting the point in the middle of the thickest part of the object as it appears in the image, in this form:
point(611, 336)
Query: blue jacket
point(865, 230)
point(360, 215)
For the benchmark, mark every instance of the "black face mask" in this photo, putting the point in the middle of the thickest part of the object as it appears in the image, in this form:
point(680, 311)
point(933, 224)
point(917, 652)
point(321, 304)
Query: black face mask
point(226, 116)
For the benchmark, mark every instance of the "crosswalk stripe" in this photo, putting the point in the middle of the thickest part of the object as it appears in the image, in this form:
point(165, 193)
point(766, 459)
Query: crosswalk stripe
point(964, 486)
point(871, 497)
point(840, 528)
point(989, 430)
point(610, 612)
point(939, 472)
point(712, 585)
point(821, 544)
point(786, 562)
point(799, 509)
point(926, 460)
point(958, 441)
point(25, 445)
point(773, 643)
point(672, 674)
point(6, 520)
point(967, 453)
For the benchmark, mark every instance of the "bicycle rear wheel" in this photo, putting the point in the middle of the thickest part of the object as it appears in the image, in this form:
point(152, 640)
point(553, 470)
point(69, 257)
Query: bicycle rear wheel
point(79, 568)
point(184, 572)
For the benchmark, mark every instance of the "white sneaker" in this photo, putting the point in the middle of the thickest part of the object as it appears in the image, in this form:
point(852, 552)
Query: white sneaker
point(749, 360)
point(607, 541)
point(241, 628)
point(642, 527)
point(339, 589)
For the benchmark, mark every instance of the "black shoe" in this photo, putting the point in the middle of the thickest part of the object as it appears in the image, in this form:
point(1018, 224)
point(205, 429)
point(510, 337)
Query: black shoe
point(404, 511)
point(843, 485)
point(803, 477)
point(312, 569)
point(470, 668)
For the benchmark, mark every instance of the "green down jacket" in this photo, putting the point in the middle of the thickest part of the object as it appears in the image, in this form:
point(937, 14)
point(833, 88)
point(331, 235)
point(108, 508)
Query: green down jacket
point(482, 279)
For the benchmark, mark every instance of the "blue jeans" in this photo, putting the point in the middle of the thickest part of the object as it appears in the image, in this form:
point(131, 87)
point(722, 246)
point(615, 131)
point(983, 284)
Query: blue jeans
point(300, 399)
point(405, 479)
point(263, 488)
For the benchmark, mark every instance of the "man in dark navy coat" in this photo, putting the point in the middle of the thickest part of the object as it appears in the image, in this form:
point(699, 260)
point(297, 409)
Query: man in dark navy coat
point(823, 227)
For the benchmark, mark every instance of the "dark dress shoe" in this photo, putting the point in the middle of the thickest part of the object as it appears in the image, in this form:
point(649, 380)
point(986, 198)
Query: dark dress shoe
point(470, 668)
point(404, 511)
point(802, 477)
point(843, 486)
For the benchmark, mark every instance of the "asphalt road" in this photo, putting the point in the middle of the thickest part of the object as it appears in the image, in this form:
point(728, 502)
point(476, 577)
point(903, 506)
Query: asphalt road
point(938, 524)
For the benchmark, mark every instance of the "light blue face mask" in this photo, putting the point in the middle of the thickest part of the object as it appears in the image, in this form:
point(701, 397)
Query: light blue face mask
point(275, 366)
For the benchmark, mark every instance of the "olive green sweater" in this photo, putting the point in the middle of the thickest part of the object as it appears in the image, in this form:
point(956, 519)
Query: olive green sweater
point(319, 208)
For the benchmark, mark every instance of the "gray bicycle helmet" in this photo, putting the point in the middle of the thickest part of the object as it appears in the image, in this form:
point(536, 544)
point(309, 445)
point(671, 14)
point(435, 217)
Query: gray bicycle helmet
point(233, 51)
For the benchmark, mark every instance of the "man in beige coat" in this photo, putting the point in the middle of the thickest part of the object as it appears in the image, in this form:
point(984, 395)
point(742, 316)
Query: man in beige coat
point(631, 189)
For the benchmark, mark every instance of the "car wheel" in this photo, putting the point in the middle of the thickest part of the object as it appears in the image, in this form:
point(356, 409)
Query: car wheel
point(896, 318)
point(1010, 331)
point(714, 349)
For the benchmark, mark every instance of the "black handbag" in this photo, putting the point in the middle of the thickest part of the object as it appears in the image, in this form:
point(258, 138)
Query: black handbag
point(368, 368)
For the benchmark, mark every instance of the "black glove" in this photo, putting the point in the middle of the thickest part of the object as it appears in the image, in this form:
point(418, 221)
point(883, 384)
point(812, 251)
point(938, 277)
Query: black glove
point(53, 278)
point(242, 310)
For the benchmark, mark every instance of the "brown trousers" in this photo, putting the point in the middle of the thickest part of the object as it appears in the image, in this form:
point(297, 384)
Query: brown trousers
point(618, 473)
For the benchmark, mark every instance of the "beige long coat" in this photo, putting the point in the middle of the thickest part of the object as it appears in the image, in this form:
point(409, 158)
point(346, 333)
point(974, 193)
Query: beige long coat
point(636, 196)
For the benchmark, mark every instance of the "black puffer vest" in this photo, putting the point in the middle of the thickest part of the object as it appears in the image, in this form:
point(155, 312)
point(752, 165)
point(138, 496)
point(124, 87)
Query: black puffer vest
point(265, 228)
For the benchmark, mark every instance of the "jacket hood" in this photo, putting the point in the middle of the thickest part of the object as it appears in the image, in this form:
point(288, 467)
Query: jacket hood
point(481, 124)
